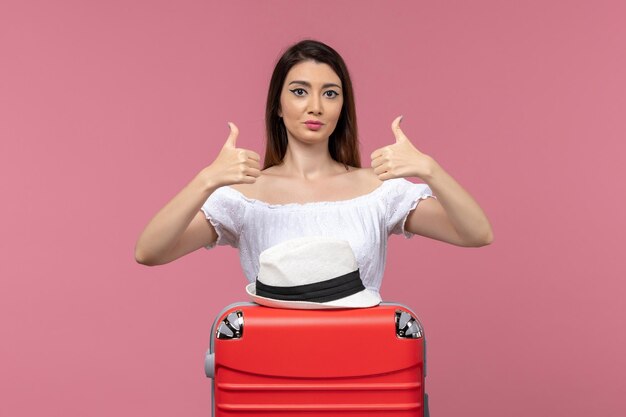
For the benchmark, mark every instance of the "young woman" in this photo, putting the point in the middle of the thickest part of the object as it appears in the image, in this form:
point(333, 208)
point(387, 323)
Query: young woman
point(312, 183)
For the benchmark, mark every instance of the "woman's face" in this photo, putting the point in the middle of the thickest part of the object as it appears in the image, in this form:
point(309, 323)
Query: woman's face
point(312, 92)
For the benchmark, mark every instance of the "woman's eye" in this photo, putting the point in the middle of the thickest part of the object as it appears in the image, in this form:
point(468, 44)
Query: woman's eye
point(333, 95)
point(297, 91)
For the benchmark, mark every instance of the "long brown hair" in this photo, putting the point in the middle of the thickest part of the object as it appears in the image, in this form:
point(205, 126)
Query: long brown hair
point(343, 143)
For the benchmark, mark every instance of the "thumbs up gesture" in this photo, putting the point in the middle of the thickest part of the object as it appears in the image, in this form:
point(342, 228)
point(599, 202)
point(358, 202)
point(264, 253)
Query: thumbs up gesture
point(400, 159)
point(235, 165)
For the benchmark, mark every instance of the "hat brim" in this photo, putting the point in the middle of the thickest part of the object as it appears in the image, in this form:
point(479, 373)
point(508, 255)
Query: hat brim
point(362, 299)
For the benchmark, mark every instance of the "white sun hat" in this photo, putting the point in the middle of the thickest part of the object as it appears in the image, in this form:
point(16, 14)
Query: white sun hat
point(311, 273)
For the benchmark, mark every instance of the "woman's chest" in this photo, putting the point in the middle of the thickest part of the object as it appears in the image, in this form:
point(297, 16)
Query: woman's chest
point(361, 220)
point(280, 191)
point(363, 227)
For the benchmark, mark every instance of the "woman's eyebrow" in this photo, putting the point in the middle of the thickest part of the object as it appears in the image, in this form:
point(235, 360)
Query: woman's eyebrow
point(308, 84)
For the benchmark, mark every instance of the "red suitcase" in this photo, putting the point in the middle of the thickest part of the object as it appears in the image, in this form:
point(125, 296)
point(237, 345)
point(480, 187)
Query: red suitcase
point(319, 363)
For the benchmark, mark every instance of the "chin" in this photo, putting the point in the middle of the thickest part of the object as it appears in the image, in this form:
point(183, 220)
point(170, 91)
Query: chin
point(310, 137)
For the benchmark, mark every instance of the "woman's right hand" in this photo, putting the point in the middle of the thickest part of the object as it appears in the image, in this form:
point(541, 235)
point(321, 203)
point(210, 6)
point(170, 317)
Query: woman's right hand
point(233, 165)
point(180, 227)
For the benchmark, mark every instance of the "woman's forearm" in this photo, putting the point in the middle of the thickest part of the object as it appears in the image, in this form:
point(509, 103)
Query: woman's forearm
point(158, 242)
point(166, 227)
point(467, 217)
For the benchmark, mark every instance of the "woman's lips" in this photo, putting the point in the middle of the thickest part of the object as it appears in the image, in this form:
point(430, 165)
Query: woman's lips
point(314, 125)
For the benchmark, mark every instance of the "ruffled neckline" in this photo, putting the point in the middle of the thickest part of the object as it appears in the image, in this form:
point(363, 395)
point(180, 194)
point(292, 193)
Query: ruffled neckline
point(315, 204)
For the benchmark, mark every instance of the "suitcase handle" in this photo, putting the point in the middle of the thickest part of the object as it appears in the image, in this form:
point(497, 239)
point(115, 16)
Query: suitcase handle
point(209, 365)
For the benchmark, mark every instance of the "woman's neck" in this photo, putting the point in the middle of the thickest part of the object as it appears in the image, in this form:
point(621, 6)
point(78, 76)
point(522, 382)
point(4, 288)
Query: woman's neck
point(312, 163)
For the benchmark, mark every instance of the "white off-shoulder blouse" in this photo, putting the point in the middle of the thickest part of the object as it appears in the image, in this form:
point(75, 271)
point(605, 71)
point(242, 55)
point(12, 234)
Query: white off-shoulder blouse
point(365, 222)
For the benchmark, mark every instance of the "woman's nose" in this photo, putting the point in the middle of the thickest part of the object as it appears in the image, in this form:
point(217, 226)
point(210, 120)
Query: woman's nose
point(315, 104)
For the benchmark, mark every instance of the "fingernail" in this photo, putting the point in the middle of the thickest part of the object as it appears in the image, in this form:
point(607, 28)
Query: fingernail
point(401, 117)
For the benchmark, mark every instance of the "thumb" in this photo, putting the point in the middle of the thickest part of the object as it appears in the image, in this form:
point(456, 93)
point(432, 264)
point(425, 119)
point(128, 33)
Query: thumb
point(232, 137)
point(395, 128)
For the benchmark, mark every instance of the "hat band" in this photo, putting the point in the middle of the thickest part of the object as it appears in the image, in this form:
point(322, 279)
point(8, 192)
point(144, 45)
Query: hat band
point(320, 292)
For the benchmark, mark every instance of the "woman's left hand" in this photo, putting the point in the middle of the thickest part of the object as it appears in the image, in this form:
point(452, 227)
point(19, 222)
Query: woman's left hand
point(401, 159)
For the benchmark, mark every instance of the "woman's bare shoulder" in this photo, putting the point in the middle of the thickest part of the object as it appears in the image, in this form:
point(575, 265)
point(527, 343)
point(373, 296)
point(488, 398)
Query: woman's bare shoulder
point(368, 176)
point(257, 189)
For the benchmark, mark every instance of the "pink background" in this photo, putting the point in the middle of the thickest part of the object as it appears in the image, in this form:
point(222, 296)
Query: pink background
point(107, 109)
